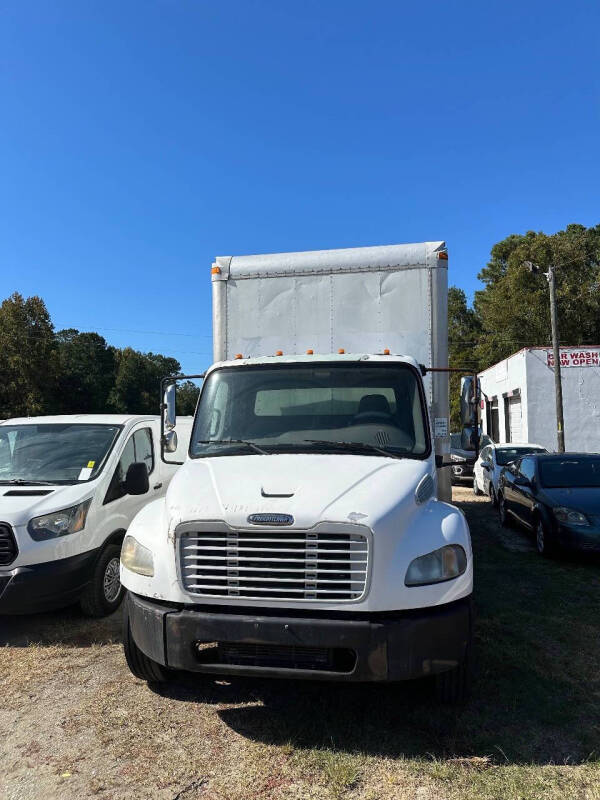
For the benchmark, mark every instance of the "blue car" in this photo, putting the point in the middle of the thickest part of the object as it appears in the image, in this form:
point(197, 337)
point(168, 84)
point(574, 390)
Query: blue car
point(555, 496)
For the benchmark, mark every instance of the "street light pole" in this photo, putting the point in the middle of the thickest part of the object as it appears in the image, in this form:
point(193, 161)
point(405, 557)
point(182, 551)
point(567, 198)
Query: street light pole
point(560, 422)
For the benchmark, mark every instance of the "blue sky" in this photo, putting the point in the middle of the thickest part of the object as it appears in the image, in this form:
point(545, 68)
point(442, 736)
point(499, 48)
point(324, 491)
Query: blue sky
point(141, 139)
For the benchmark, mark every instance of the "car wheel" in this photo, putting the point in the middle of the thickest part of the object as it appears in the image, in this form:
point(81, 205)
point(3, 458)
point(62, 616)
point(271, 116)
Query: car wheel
point(493, 497)
point(476, 489)
point(104, 593)
point(504, 519)
point(138, 662)
point(542, 542)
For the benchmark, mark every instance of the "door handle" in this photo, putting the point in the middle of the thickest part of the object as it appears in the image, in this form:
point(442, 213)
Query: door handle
point(157, 486)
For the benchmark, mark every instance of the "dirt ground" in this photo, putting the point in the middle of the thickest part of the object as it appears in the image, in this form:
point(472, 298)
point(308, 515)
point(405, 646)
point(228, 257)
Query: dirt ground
point(74, 723)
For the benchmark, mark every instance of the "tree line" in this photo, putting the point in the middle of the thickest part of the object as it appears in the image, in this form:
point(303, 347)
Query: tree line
point(512, 310)
point(43, 371)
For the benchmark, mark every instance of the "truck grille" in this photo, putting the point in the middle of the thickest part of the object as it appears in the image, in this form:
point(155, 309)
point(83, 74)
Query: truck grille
point(263, 564)
point(8, 545)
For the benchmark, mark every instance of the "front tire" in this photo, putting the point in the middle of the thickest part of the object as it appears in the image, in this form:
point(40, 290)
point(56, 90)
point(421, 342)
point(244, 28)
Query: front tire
point(104, 593)
point(504, 519)
point(542, 542)
point(138, 662)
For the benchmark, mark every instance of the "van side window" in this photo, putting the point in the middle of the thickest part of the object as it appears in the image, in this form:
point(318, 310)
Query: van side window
point(138, 448)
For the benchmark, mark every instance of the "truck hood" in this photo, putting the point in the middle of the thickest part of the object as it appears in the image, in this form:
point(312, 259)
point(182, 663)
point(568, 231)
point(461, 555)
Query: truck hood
point(312, 488)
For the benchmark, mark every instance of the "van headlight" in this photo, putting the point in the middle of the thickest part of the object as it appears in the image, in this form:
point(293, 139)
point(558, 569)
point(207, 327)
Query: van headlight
point(59, 523)
point(441, 565)
point(136, 557)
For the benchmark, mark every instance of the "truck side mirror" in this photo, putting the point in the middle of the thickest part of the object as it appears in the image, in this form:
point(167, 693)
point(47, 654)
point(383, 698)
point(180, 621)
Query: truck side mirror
point(136, 480)
point(169, 409)
point(170, 441)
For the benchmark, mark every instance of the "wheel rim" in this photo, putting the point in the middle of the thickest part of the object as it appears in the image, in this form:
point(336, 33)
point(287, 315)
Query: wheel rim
point(112, 582)
point(539, 538)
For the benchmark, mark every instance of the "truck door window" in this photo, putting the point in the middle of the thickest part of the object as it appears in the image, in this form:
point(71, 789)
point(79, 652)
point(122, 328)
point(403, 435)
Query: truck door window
point(138, 449)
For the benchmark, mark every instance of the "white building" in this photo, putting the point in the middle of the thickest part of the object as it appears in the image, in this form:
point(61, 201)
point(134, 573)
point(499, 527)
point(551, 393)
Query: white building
point(518, 400)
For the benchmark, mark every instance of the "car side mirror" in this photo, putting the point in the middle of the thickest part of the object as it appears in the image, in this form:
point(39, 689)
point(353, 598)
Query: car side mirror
point(136, 480)
point(486, 464)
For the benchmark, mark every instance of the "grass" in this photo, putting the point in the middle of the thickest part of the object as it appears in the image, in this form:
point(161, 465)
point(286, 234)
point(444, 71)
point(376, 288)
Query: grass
point(530, 731)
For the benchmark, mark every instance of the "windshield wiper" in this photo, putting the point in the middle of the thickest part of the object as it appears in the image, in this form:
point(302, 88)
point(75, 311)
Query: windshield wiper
point(250, 445)
point(372, 448)
point(25, 482)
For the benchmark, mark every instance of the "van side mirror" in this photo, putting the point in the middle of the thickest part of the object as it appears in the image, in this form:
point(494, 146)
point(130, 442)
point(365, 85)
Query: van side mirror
point(136, 480)
point(170, 441)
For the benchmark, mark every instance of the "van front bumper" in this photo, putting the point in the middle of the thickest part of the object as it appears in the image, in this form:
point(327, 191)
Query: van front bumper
point(47, 586)
point(388, 646)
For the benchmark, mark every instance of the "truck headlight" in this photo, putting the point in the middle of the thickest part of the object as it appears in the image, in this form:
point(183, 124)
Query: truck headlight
point(441, 565)
point(136, 557)
point(570, 517)
point(59, 523)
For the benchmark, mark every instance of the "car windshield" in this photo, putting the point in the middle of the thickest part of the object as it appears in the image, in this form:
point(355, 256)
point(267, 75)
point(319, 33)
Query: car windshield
point(570, 472)
point(54, 453)
point(369, 409)
point(506, 455)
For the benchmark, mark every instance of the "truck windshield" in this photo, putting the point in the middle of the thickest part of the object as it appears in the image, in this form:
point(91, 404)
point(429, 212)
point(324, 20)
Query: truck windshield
point(54, 453)
point(371, 409)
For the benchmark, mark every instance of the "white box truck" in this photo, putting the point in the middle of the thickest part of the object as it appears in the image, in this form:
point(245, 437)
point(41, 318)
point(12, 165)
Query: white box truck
point(306, 534)
point(69, 487)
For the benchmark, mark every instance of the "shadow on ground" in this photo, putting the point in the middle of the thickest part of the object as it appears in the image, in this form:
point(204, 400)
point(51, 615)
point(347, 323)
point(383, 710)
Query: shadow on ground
point(67, 627)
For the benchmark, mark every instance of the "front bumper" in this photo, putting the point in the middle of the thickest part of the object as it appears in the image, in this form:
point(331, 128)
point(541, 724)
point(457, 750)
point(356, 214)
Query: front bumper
point(388, 646)
point(584, 538)
point(43, 587)
point(462, 471)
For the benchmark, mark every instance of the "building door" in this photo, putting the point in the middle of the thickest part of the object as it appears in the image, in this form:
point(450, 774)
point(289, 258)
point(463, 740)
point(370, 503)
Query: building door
point(494, 424)
point(513, 419)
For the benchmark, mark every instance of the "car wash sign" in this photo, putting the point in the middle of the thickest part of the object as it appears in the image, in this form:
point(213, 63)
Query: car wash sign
point(575, 357)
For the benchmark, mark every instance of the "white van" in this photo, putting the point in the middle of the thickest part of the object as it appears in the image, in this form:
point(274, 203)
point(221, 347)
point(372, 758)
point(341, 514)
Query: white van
point(69, 487)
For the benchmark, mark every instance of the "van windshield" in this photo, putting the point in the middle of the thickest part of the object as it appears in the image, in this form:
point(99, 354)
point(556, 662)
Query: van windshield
point(54, 453)
point(369, 409)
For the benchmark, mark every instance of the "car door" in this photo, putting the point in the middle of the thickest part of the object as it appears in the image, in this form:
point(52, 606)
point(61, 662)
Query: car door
point(523, 487)
point(508, 486)
point(138, 448)
point(486, 461)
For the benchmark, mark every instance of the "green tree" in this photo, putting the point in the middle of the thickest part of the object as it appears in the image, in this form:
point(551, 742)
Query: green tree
point(28, 358)
point(513, 307)
point(137, 384)
point(187, 397)
point(87, 372)
point(463, 335)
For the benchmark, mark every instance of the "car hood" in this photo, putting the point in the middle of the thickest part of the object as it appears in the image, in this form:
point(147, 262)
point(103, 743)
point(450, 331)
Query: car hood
point(312, 488)
point(18, 504)
point(585, 499)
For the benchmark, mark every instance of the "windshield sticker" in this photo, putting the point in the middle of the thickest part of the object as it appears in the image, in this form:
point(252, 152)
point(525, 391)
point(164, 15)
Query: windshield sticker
point(91, 464)
point(85, 473)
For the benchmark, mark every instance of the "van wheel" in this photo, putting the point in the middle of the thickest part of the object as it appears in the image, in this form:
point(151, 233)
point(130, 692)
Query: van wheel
point(138, 662)
point(453, 687)
point(476, 489)
point(104, 593)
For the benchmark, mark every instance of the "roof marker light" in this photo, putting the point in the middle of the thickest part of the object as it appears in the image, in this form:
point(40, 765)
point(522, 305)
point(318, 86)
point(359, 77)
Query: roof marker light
point(443, 255)
point(239, 355)
point(341, 351)
point(386, 352)
point(310, 352)
point(279, 352)
point(215, 271)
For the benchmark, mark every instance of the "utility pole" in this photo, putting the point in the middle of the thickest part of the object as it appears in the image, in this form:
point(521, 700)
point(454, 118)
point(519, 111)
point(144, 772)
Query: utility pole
point(560, 422)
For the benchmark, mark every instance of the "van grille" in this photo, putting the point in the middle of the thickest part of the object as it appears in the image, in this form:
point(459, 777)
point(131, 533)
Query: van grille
point(8, 545)
point(287, 565)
